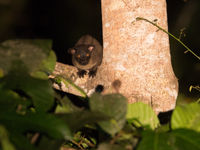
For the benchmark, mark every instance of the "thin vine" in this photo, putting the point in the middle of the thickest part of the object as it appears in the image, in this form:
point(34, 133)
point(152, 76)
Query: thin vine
point(177, 39)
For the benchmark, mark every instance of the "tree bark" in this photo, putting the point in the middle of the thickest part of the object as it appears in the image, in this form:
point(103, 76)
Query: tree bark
point(136, 58)
point(137, 54)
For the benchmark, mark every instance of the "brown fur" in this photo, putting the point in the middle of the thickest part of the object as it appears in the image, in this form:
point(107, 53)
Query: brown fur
point(96, 54)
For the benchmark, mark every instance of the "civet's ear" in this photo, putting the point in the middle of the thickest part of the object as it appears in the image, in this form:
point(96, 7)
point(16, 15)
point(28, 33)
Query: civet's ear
point(71, 51)
point(91, 48)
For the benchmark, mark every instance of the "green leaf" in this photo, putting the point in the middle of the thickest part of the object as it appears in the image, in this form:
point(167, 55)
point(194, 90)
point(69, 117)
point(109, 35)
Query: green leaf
point(142, 115)
point(66, 106)
point(112, 105)
point(155, 141)
point(69, 83)
point(4, 139)
point(39, 122)
point(77, 120)
point(186, 139)
point(50, 62)
point(187, 116)
point(46, 67)
point(9, 100)
point(164, 128)
point(176, 140)
point(30, 52)
point(39, 91)
point(46, 143)
point(44, 44)
point(21, 142)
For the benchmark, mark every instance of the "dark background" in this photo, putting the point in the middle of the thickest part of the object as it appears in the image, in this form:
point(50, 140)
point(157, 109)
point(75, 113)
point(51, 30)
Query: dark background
point(65, 21)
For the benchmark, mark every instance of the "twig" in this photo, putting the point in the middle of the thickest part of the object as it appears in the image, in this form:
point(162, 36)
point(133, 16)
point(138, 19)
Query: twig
point(177, 39)
point(77, 144)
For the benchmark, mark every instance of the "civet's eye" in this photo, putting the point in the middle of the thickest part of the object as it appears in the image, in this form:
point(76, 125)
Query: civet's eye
point(87, 54)
point(78, 56)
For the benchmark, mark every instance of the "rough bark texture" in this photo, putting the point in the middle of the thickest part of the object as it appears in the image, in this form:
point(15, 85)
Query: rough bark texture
point(138, 54)
point(136, 59)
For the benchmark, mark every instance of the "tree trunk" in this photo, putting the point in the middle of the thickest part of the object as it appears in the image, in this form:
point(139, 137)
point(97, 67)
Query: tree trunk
point(136, 60)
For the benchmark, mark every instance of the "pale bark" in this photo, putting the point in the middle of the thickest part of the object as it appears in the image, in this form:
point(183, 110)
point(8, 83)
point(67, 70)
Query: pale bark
point(136, 61)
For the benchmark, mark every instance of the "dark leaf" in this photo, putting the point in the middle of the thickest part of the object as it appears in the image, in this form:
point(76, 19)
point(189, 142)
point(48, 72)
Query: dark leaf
point(21, 142)
point(9, 100)
point(6, 144)
point(155, 141)
point(76, 120)
point(186, 139)
point(47, 143)
point(37, 90)
point(66, 106)
point(180, 139)
point(46, 67)
point(112, 105)
point(39, 122)
point(30, 52)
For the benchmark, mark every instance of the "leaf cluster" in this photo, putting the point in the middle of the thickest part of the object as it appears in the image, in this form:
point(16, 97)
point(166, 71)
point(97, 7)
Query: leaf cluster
point(33, 116)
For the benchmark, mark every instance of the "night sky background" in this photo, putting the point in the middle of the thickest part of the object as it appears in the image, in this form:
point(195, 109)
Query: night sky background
point(65, 21)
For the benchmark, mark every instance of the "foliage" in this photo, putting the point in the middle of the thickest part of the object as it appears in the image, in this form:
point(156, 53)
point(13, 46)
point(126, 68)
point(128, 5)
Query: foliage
point(112, 105)
point(33, 116)
point(141, 114)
